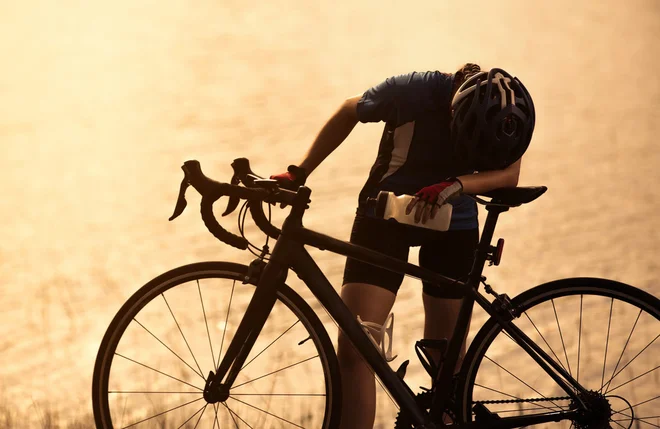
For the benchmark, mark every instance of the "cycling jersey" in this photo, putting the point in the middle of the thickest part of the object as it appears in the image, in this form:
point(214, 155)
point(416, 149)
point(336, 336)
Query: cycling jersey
point(415, 149)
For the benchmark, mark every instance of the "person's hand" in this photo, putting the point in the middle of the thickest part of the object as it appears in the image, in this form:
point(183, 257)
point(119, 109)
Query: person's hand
point(292, 179)
point(430, 198)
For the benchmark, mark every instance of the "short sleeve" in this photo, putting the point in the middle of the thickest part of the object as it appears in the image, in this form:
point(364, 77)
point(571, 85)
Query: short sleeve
point(404, 98)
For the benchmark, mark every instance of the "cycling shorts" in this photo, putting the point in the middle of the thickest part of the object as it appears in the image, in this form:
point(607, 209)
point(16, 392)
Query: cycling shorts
point(450, 253)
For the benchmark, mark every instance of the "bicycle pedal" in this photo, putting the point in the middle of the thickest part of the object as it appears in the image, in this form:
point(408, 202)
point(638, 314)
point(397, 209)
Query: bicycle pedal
point(401, 372)
point(423, 349)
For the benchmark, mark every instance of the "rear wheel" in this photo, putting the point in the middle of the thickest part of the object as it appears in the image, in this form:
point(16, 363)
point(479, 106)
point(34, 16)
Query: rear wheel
point(604, 333)
point(155, 357)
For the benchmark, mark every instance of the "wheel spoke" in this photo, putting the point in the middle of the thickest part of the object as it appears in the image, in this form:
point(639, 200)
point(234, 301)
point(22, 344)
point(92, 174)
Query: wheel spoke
point(639, 403)
point(641, 420)
point(563, 345)
point(159, 372)
point(607, 343)
point(201, 300)
point(164, 412)
point(579, 340)
point(193, 416)
point(266, 412)
point(273, 342)
point(165, 345)
point(200, 417)
point(215, 420)
point(517, 378)
point(633, 379)
point(631, 361)
point(232, 412)
point(615, 421)
point(224, 331)
point(546, 343)
point(274, 372)
point(183, 336)
point(607, 385)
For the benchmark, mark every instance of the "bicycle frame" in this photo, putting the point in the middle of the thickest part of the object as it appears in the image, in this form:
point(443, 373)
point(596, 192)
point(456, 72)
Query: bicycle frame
point(289, 252)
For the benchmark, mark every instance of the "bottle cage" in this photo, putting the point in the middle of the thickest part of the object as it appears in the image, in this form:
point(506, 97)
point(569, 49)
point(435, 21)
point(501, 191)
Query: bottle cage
point(385, 334)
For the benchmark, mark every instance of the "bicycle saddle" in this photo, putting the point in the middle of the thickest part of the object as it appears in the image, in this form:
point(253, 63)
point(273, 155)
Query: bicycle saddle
point(514, 197)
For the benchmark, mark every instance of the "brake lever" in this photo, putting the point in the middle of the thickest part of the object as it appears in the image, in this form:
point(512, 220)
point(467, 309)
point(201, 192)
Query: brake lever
point(243, 171)
point(181, 202)
point(233, 201)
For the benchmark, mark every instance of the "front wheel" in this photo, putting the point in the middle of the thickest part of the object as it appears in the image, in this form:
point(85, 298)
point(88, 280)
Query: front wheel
point(155, 357)
point(604, 333)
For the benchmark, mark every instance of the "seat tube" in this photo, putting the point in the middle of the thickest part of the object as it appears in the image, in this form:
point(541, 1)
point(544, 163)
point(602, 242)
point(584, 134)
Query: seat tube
point(484, 243)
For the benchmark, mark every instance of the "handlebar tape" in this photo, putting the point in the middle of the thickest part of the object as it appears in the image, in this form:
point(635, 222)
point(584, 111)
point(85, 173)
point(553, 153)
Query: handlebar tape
point(216, 229)
point(211, 191)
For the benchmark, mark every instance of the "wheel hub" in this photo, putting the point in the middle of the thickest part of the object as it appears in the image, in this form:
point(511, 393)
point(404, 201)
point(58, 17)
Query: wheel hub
point(598, 411)
point(215, 392)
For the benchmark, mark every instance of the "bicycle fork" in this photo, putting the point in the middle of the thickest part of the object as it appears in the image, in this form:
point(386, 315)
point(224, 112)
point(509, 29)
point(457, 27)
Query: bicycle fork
point(218, 385)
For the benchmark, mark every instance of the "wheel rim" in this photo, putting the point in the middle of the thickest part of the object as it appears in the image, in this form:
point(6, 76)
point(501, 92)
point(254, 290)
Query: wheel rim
point(154, 365)
point(606, 338)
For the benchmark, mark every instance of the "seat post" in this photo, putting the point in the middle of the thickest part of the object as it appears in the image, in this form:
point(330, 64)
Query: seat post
point(484, 246)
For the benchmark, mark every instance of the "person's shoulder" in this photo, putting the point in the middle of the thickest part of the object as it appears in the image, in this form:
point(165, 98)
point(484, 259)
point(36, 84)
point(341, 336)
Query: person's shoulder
point(434, 76)
point(433, 81)
point(429, 76)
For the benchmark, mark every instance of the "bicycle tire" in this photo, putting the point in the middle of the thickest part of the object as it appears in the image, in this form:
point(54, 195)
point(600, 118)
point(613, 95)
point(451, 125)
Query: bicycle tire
point(126, 324)
point(480, 390)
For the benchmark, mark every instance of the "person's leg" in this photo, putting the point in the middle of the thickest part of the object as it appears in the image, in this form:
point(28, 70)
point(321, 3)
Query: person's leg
point(372, 304)
point(452, 255)
point(440, 316)
point(369, 292)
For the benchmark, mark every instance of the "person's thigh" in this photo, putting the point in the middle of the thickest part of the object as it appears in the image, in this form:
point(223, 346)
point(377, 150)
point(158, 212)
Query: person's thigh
point(383, 237)
point(451, 254)
point(369, 291)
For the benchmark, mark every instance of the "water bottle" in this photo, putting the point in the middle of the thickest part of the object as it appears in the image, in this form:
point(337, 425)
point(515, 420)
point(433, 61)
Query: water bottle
point(390, 206)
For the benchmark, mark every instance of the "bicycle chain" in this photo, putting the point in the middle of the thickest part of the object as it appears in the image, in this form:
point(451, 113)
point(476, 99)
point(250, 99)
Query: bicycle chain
point(513, 401)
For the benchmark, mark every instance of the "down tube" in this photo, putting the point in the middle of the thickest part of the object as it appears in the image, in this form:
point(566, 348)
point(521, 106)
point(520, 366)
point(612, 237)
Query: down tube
point(314, 278)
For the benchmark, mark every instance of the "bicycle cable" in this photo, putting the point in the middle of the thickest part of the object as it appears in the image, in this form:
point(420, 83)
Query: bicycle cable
point(256, 251)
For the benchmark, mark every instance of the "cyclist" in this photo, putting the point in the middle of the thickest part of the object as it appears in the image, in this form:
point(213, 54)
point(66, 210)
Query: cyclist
point(445, 134)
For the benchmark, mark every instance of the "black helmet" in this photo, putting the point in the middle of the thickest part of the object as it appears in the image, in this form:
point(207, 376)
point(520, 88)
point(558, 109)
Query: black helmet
point(491, 127)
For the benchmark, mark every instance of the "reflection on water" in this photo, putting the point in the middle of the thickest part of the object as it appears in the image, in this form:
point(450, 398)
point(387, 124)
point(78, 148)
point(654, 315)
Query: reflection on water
point(102, 102)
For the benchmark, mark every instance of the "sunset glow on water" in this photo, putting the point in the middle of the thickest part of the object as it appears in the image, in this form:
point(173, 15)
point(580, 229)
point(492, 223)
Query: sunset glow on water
point(101, 103)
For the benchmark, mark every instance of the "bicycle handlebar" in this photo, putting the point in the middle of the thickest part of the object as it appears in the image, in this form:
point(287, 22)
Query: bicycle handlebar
point(256, 190)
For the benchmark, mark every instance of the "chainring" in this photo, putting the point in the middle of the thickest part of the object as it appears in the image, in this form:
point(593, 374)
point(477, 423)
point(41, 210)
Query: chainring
point(424, 400)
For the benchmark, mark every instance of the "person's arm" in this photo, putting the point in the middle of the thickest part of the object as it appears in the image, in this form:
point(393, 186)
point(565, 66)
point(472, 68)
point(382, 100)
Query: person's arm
point(333, 133)
point(489, 180)
point(398, 99)
point(430, 198)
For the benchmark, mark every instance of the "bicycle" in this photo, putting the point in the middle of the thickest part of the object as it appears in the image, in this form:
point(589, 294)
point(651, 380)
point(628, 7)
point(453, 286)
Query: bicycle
point(571, 388)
